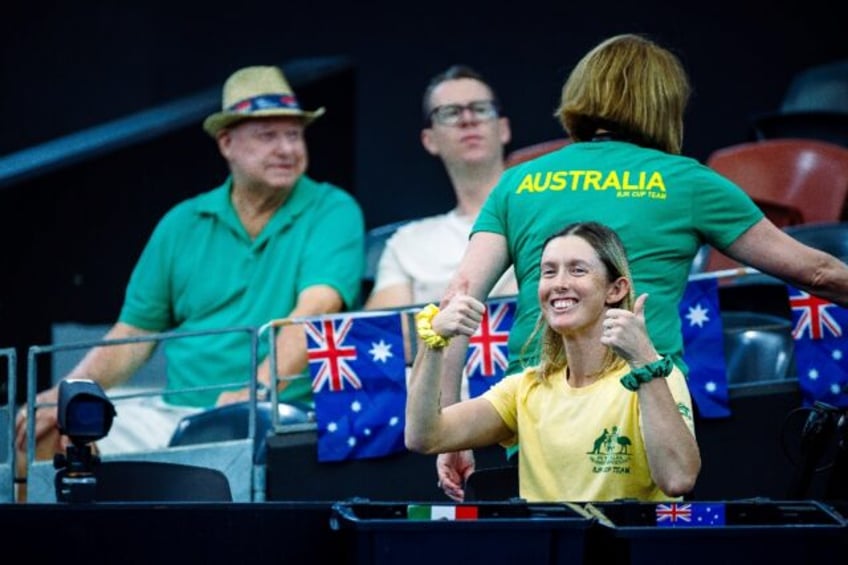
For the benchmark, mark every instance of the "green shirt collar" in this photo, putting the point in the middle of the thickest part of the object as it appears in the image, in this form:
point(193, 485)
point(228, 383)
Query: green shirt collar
point(217, 203)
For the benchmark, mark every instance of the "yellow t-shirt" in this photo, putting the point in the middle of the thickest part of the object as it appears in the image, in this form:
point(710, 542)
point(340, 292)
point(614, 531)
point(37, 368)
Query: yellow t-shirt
point(580, 444)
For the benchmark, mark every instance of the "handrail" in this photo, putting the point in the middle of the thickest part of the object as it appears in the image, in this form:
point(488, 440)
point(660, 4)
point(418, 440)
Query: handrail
point(139, 127)
point(35, 350)
point(273, 326)
point(11, 394)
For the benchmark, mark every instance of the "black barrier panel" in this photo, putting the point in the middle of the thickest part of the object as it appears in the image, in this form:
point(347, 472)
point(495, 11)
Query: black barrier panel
point(743, 456)
point(171, 533)
point(293, 473)
point(277, 532)
point(447, 534)
point(745, 532)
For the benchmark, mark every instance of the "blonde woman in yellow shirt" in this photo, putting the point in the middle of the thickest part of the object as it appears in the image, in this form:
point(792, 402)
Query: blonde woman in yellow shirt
point(602, 417)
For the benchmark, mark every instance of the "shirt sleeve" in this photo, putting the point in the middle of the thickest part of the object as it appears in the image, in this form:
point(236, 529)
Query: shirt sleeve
point(724, 210)
point(336, 251)
point(503, 397)
point(493, 214)
point(147, 301)
point(680, 392)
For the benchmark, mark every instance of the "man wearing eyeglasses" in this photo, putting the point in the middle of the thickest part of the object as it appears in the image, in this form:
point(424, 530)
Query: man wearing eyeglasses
point(464, 127)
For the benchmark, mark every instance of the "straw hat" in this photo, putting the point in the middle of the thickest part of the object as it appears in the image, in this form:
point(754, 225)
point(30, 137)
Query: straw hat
point(256, 92)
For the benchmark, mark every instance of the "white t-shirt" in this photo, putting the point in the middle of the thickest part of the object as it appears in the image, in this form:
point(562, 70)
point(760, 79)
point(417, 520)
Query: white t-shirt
point(426, 253)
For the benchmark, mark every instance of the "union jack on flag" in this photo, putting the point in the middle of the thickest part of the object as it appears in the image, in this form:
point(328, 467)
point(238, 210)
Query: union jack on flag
point(695, 514)
point(359, 383)
point(327, 352)
point(487, 357)
point(820, 348)
point(813, 317)
point(673, 513)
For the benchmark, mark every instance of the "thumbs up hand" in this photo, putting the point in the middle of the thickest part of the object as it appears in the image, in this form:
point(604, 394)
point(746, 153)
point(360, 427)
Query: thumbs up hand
point(461, 315)
point(626, 333)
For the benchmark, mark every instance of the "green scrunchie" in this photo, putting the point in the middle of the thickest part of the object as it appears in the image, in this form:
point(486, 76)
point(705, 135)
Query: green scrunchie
point(657, 369)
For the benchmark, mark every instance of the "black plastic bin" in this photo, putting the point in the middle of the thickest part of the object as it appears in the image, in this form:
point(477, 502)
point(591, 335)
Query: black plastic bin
point(383, 533)
point(753, 531)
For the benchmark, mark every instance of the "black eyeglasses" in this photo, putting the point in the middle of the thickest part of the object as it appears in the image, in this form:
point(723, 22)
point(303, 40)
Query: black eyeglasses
point(451, 114)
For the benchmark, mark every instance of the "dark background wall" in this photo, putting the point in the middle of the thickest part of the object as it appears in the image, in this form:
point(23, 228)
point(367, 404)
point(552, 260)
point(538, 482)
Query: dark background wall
point(69, 239)
point(67, 66)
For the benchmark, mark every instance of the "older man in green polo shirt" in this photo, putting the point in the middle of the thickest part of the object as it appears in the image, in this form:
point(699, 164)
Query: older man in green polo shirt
point(269, 243)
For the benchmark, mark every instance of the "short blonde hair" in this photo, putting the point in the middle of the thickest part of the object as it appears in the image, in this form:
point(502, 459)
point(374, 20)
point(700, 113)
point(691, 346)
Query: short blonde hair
point(630, 86)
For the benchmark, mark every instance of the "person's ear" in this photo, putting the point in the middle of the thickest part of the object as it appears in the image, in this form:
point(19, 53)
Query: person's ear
point(224, 139)
point(618, 290)
point(428, 142)
point(505, 130)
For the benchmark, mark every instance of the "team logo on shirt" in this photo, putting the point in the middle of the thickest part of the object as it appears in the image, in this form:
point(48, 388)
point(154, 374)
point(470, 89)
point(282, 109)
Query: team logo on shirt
point(626, 184)
point(611, 452)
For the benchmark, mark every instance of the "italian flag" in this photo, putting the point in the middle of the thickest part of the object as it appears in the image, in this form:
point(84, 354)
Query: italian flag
point(441, 512)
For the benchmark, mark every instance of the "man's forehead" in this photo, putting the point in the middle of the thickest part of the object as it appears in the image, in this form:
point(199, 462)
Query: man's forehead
point(460, 90)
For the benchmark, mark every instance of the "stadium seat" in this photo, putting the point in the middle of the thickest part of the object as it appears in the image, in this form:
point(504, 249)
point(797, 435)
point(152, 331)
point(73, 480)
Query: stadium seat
point(156, 481)
point(831, 127)
point(495, 483)
point(529, 152)
point(831, 237)
point(815, 106)
point(822, 87)
point(231, 422)
point(375, 242)
point(794, 181)
point(809, 175)
point(758, 347)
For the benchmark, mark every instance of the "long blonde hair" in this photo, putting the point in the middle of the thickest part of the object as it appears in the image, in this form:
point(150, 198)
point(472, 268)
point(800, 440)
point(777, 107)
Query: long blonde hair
point(611, 252)
point(631, 87)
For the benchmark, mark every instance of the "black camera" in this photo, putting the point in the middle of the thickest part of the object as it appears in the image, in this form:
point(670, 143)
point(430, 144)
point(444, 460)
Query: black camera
point(85, 416)
point(85, 412)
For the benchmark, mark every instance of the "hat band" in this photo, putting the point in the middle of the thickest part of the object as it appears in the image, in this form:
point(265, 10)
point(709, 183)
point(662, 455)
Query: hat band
point(265, 102)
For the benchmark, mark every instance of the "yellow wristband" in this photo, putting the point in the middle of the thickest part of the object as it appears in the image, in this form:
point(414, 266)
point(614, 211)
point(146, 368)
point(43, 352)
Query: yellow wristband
point(424, 325)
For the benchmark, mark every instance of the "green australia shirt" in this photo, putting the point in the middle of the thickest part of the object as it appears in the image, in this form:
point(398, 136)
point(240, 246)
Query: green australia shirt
point(663, 206)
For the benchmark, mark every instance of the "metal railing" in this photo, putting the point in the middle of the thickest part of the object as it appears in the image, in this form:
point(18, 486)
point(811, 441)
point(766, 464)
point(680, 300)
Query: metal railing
point(35, 351)
point(7, 464)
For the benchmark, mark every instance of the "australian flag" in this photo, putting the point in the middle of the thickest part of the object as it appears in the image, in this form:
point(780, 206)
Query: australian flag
point(703, 343)
point(820, 348)
point(359, 385)
point(486, 360)
point(690, 515)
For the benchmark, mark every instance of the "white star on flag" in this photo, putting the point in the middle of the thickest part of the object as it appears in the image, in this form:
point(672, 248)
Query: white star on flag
point(697, 316)
point(381, 351)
